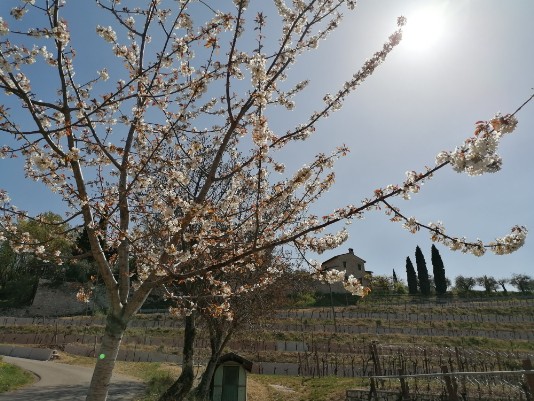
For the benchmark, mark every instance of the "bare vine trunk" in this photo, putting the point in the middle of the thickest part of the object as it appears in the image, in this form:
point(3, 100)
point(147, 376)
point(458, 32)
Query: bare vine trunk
point(182, 386)
point(111, 341)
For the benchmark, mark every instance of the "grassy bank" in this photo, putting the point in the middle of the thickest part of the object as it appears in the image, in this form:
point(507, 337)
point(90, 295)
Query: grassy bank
point(13, 377)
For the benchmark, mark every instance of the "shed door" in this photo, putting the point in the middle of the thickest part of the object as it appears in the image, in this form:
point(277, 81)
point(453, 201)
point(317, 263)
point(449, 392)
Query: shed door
point(230, 383)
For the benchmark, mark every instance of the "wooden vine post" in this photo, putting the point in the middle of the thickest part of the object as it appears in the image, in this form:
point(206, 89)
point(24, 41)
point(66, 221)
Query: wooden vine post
point(376, 359)
point(405, 390)
point(529, 377)
point(450, 384)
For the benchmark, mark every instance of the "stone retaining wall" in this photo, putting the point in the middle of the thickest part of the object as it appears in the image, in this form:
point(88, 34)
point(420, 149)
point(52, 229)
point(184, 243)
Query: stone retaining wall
point(60, 300)
point(38, 354)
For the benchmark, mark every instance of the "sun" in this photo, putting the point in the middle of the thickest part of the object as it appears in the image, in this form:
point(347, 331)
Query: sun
point(425, 28)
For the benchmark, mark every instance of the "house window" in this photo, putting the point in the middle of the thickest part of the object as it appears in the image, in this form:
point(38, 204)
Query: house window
point(359, 267)
point(344, 264)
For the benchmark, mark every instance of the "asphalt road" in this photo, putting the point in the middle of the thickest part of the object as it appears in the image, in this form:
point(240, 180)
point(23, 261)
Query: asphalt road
point(60, 382)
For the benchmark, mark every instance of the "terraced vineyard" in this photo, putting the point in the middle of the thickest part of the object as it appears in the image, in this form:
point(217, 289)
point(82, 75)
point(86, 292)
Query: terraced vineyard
point(374, 337)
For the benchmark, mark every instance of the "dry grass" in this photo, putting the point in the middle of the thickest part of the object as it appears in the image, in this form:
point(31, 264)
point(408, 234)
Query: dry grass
point(282, 388)
point(259, 387)
point(138, 370)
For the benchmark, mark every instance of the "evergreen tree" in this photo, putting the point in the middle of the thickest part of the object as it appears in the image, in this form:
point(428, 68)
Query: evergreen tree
point(411, 277)
point(395, 280)
point(422, 272)
point(439, 272)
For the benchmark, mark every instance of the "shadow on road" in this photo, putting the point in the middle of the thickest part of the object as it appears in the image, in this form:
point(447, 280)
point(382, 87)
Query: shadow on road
point(117, 392)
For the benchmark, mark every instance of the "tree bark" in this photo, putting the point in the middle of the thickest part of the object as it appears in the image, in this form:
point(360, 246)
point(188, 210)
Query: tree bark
point(115, 327)
point(182, 386)
point(202, 391)
point(220, 333)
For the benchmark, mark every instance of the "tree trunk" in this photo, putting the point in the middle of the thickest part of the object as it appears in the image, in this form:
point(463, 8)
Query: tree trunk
point(182, 386)
point(111, 341)
point(202, 391)
point(220, 334)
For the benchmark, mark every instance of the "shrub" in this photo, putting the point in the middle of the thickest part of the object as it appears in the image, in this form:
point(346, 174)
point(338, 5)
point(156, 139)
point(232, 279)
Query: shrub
point(19, 292)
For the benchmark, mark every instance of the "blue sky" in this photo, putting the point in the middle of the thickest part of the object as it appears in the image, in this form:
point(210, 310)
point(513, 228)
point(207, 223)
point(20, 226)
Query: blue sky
point(418, 103)
point(423, 101)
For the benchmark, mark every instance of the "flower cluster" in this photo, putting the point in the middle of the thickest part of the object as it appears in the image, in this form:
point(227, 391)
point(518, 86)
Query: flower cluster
point(256, 65)
point(61, 32)
point(18, 12)
point(355, 287)
point(107, 33)
point(478, 154)
point(511, 242)
point(331, 276)
point(260, 129)
point(184, 22)
point(412, 184)
point(4, 197)
point(179, 46)
point(501, 246)
point(103, 74)
point(130, 22)
point(503, 124)
point(4, 29)
point(241, 3)
point(411, 225)
point(329, 241)
point(437, 234)
point(183, 310)
point(84, 295)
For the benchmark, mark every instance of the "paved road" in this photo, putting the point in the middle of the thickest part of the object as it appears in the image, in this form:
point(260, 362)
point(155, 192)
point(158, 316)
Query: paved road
point(60, 382)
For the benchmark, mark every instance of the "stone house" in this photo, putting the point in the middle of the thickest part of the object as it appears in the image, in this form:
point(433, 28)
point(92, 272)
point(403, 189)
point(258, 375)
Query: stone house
point(352, 264)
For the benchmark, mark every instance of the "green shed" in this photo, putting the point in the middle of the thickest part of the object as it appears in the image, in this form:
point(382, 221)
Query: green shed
point(230, 378)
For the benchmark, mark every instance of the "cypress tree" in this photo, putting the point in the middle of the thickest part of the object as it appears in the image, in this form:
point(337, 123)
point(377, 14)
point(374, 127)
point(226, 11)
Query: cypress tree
point(439, 271)
point(411, 277)
point(395, 280)
point(422, 272)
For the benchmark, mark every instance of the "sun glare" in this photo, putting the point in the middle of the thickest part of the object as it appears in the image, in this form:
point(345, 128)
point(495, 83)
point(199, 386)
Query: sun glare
point(425, 28)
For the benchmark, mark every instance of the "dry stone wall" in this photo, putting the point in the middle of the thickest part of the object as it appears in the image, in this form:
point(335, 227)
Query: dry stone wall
point(60, 300)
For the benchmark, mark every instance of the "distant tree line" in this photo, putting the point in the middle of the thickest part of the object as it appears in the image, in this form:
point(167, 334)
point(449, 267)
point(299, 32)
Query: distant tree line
point(523, 283)
point(419, 281)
